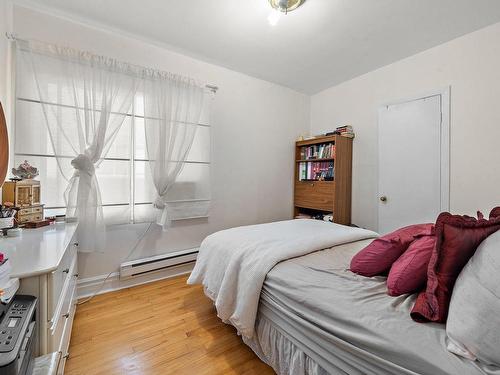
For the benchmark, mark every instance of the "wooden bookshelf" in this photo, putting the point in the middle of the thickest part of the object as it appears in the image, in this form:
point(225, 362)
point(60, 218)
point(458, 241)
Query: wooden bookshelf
point(320, 194)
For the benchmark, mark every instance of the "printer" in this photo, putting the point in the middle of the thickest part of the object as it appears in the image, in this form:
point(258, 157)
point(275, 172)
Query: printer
point(18, 335)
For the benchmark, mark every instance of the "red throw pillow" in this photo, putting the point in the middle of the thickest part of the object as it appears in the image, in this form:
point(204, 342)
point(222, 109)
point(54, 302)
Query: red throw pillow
point(457, 238)
point(495, 213)
point(378, 257)
point(408, 274)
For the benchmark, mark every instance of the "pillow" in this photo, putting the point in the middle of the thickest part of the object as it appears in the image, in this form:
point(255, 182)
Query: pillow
point(378, 257)
point(457, 238)
point(495, 213)
point(473, 320)
point(408, 274)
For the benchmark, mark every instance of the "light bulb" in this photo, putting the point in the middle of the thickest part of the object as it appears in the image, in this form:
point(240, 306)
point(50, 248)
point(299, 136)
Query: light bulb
point(274, 17)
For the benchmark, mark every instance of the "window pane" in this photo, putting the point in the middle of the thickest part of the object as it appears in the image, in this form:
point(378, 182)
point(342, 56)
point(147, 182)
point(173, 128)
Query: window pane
point(200, 150)
point(114, 181)
point(144, 189)
point(32, 135)
point(193, 183)
point(121, 147)
point(140, 139)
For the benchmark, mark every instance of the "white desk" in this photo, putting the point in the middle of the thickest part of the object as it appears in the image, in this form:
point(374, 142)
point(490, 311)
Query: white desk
point(45, 261)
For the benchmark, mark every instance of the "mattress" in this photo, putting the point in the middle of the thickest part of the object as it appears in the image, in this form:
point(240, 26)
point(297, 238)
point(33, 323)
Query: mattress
point(316, 317)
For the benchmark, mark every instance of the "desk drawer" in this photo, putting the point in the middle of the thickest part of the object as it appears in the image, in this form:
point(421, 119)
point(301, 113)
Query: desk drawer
point(315, 194)
point(63, 313)
point(58, 278)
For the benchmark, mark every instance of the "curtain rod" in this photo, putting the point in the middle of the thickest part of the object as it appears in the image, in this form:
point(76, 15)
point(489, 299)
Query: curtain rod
point(13, 37)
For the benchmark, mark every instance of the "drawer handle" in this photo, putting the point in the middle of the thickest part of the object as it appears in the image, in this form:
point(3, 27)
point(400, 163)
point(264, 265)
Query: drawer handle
point(66, 270)
point(75, 244)
point(76, 275)
point(66, 356)
point(312, 184)
point(66, 315)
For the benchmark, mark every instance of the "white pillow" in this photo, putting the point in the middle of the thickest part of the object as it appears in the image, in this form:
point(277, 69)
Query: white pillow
point(473, 325)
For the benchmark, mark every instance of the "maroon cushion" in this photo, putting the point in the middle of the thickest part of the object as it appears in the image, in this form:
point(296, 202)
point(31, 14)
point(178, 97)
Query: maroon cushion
point(408, 274)
point(378, 257)
point(457, 238)
point(495, 213)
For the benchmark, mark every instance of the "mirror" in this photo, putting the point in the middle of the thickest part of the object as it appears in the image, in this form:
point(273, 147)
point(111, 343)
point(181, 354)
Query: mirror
point(4, 147)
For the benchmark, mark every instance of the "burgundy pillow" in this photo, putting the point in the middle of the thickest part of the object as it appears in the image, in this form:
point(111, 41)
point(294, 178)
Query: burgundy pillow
point(457, 238)
point(495, 213)
point(378, 257)
point(408, 274)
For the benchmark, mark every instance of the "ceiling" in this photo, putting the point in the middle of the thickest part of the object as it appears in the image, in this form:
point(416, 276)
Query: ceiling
point(319, 45)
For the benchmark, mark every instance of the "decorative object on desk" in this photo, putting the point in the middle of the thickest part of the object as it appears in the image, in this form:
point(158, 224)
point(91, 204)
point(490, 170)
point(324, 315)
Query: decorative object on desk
point(36, 224)
point(25, 195)
point(60, 218)
point(4, 147)
point(25, 171)
point(14, 232)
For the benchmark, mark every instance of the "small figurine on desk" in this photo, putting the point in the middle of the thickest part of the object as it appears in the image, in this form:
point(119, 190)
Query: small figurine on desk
point(25, 171)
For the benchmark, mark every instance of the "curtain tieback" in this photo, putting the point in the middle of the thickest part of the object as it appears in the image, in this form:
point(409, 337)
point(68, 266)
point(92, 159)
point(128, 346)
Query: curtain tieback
point(83, 164)
point(159, 203)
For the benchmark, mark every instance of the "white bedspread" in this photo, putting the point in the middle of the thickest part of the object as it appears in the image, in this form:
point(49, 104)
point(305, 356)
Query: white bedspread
point(232, 264)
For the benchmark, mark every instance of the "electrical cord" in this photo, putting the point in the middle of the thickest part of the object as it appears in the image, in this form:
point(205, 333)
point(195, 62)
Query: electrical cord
point(109, 274)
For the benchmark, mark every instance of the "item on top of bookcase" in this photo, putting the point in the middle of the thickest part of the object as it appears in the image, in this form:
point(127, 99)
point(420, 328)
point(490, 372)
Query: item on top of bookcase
point(328, 217)
point(345, 131)
point(303, 216)
point(25, 171)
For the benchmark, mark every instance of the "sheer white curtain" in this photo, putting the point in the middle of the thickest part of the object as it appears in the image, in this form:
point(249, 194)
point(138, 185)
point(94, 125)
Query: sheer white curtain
point(85, 100)
point(172, 111)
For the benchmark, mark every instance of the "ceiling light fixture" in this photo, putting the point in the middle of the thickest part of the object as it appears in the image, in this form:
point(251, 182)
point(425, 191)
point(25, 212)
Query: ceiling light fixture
point(286, 6)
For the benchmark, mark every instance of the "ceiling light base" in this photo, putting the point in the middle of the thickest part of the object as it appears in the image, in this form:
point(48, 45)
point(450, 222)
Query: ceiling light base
point(286, 6)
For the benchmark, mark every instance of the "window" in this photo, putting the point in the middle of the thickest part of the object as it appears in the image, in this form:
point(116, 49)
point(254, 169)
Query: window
point(124, 176)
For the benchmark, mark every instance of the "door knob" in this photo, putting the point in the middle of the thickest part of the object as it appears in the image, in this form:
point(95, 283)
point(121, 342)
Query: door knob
point(383, 198)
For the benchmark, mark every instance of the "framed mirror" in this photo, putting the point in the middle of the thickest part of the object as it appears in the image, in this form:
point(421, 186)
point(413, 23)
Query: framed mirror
point(4, 147)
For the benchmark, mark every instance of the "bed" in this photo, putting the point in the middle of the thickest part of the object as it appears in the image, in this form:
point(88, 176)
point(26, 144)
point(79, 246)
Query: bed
point(316, 317)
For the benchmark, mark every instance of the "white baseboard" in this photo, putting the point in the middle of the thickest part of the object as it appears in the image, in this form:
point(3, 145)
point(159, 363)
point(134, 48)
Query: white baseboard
point(88, 286)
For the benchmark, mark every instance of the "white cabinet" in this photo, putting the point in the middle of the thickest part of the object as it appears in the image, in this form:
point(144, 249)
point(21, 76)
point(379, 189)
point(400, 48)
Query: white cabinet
point(46, 262)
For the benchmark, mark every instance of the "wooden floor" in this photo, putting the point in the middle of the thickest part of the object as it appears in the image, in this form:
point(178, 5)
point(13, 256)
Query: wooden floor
point(166, 327)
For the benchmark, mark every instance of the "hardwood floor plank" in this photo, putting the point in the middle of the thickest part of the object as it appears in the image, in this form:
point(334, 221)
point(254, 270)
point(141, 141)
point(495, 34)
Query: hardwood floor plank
point(165, 327)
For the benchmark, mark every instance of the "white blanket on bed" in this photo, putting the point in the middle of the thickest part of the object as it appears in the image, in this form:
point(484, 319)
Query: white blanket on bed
point(232, 264)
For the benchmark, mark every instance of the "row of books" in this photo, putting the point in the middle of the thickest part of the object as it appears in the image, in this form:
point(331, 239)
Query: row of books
point(319, 171)
point(322, 151)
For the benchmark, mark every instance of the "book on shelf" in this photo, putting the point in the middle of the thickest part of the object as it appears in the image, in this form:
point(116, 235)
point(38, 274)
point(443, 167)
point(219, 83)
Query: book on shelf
point(321, 151)
point(317, 171)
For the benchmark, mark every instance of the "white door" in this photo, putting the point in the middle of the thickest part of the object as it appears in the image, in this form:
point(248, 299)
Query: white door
point(412, 151)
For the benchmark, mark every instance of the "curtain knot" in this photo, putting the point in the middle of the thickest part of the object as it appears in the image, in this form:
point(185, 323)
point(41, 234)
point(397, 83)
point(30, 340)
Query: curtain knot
point(159, 203)
point(83, 164)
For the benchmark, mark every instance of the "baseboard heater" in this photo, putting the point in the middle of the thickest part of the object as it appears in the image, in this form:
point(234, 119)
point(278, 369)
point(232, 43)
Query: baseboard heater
point(157, 263)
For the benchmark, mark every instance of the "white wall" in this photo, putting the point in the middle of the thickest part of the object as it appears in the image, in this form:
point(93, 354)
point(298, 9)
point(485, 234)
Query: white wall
point(254, 123)
point(471, 66)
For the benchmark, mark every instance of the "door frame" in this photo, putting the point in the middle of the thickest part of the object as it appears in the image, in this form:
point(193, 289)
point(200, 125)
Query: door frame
point(444, 167)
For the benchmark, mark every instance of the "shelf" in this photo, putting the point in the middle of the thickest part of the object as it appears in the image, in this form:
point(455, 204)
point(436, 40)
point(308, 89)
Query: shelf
point(314, 181)
point(314, 160)
point(315, 141)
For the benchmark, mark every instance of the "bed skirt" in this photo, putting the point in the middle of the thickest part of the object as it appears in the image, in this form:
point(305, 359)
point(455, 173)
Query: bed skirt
point(273, 347)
